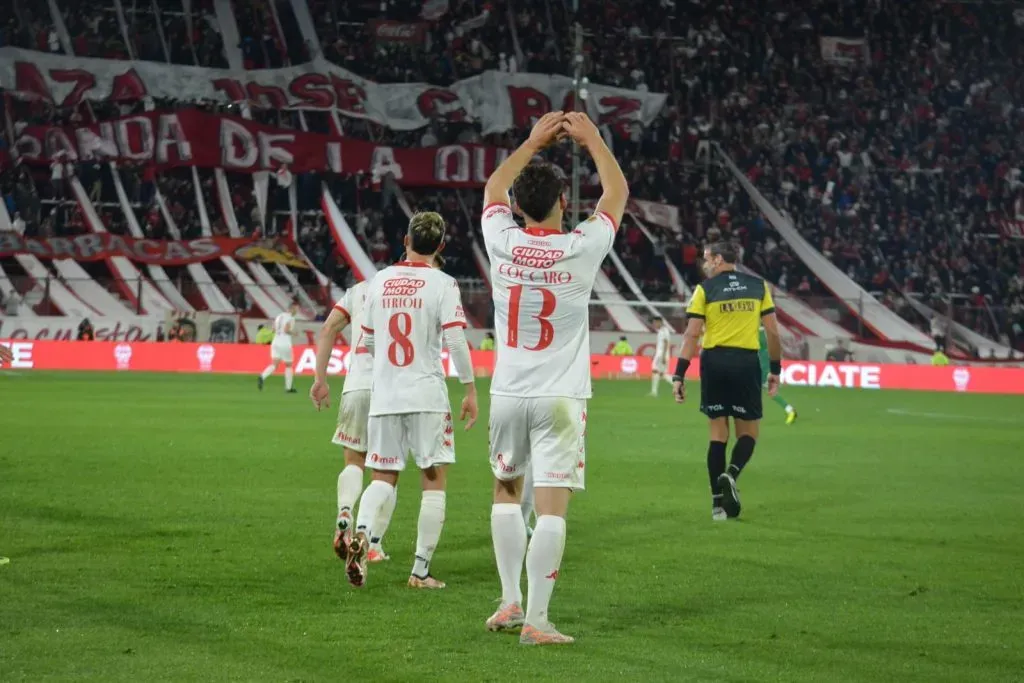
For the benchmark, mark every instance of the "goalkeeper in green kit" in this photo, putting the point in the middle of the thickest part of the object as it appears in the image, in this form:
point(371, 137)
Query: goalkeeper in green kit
point(762, 355)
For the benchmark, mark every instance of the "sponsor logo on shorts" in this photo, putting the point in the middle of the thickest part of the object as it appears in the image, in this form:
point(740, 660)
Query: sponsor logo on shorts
point(739, 409)
point(342, 436)
point(717, 406)
point(581, 464)
point(557, 475)
point(503, 466)
point(378, 459)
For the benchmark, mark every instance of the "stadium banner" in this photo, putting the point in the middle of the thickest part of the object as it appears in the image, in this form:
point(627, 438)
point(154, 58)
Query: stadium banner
point(662, 215)
point(200, 326)
point(498, 101)
point(845, 51)
point(251, 358)
point(104, 245)
point(1011, 229)
point(167, 140)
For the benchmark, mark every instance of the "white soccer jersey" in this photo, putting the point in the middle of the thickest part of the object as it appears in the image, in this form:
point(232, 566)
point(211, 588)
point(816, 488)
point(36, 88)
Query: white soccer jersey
point(542, 281)
point(408, 305)
point(661, 348)
point(283, 325)
point(360, 362)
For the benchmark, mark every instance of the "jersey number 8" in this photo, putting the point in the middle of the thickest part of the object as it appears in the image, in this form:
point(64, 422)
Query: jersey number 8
point(400, 350)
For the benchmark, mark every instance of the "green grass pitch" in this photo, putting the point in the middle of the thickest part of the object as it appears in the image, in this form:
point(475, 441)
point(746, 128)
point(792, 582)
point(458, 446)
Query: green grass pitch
point(178, 528)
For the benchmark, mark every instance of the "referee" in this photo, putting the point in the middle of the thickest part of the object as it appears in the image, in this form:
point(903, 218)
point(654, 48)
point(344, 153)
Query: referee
point(728, 308)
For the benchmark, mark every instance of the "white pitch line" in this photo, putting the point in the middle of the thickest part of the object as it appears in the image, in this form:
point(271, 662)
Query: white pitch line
point(952, 416)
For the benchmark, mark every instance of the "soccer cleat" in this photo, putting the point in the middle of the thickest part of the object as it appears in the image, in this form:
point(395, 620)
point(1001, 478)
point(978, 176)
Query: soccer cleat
point(291, 391)
point(718, 515)
point(376, 555)
point(730, 495)
point(791, 417)
point(531, 635)
point(259, 382)
point(507, 617)
point(343, 536)
point(355, 560)
point(427, 581)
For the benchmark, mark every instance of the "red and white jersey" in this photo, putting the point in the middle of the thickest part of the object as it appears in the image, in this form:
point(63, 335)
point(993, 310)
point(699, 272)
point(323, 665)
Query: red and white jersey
point(408, 306)
point(542, 281)
point(283, 325)
point(360, 361)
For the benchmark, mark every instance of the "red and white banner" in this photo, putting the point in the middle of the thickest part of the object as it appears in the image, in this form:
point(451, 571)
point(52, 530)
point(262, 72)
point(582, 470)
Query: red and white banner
point(1010, 228)
point(498, 101)
point(100, 246)
point(845, 51)
point(251, 358)
point(386, 31)
point(194, 138)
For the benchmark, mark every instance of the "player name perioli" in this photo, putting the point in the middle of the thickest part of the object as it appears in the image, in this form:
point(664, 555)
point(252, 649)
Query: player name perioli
point(401, 302)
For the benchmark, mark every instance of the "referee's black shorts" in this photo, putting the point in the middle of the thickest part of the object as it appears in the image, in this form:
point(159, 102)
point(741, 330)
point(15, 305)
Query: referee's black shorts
point(730, 383)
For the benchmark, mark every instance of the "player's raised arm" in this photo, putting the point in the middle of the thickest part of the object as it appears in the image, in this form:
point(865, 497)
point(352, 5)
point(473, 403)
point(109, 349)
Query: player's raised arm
point(547, 130)
point(614, 188)
point(338, 319)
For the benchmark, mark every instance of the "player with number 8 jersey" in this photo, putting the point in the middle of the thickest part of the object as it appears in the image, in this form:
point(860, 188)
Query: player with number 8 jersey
point(541, 280)
point(409, 308)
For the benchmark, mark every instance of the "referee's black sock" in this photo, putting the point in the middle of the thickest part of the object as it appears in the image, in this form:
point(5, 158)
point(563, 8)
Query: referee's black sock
point(741, 454)
point(716, 466)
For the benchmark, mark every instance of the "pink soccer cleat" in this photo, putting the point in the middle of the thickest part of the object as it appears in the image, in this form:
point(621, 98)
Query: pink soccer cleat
point(507, 617)
point(531, 635)
point(428, 582)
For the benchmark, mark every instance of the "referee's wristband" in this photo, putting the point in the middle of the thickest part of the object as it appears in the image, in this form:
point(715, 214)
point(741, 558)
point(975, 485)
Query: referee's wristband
point(682, 365)
point(775, 367)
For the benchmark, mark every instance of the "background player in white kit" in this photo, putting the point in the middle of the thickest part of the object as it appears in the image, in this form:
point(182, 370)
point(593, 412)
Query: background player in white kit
point(409, 307)
point(353, 416)
point(542, 279)
point(281, 348)
point(659, 367)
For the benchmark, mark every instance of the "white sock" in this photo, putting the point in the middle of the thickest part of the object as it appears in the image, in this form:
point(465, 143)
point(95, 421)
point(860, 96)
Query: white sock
point(289, 374)
point(350, 485)
point(526, 505)
point(509, 535)
point(655, 376)
point(384, 518)
point(268, 371)
point(542, 561)
point(430, 525)
point(789, 408)
point(374, 497)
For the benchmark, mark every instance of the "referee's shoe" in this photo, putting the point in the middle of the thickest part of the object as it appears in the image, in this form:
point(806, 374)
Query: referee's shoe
point(730, 495)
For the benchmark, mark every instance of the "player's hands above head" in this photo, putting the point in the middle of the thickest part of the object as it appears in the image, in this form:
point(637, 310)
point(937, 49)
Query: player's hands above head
point(469, 410)
point(6, 355)
point(773, 385)
point(547, 129)
point(320, 394)
point(679, 391)
point(579, 126)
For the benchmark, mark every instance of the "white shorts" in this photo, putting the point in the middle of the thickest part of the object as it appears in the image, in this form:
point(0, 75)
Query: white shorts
point(549, 433)
point(280, 352)
point(429, 437)
point(353, 414)
point(660, 365)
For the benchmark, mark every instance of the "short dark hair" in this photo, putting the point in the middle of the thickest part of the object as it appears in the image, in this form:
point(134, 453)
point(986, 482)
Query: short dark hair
point(537, 189)
point(727, 250)
point(426, 232)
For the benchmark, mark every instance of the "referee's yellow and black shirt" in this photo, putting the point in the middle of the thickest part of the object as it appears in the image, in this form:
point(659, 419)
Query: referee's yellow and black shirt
point(731, 305)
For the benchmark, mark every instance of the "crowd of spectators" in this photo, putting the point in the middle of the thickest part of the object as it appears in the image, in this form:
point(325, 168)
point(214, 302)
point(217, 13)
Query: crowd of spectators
point(898, 160)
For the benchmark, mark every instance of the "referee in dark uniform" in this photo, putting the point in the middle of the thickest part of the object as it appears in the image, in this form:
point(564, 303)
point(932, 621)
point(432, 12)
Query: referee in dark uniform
point(728, 308)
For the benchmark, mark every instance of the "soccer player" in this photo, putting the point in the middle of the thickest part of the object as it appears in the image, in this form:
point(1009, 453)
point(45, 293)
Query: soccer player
point(762, 357)
point(353, 416)
point(659, 368)
point(728, 308)
point(409, 307)
point(542, 279)
point(281, 348)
